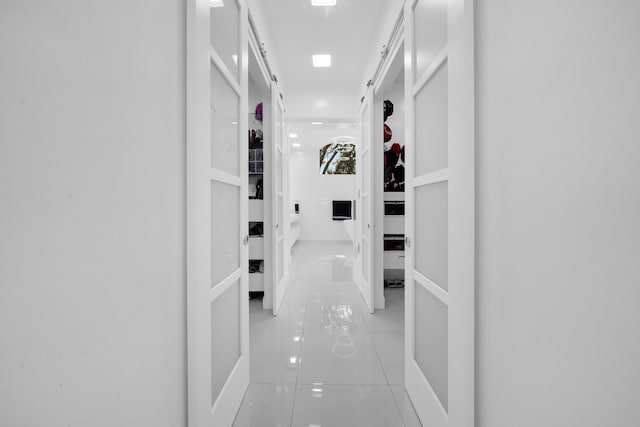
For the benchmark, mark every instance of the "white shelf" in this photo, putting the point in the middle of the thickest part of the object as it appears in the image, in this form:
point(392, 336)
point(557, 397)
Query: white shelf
point(393, 224)
point(393, 196)
point(256, 282)
point(394, 260)
point(256, 247)
point(256, 210)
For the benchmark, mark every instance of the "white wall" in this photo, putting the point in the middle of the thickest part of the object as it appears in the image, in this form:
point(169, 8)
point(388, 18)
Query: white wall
point(314, 191)
point(92, 225)
point(312, 104)
point(558, 193)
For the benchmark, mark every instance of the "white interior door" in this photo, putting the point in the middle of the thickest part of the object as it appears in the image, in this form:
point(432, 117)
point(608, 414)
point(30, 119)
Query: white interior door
point(280, 214)
point(439, 355)
point(364, 219)
point(218, 313)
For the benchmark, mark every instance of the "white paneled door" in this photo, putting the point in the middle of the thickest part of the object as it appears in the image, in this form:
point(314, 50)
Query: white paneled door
point(280, 214)
point(364, 219)
point(439, 355)
point(217, 255)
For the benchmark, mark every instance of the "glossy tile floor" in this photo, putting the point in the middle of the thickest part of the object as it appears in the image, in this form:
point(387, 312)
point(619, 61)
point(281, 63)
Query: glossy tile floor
point(324, 361)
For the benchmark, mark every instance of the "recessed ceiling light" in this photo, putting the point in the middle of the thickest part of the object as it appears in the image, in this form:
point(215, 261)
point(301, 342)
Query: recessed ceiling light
point(323, 2)
point(316, 123)
point(295, 145)
point(321, 60)
point(293, 135)
point(216, 3)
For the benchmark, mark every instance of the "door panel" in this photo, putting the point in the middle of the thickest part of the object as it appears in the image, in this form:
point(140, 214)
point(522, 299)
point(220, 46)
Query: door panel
point(217, 256)
point(431, 132)
point(364, 204)
point(225, 37)
point(225, 153)
point(430, 29)
point(431, 341)
point(225, 244)
point(439, 211)
point(280, 214)
point(225, 342)
point(431, 233)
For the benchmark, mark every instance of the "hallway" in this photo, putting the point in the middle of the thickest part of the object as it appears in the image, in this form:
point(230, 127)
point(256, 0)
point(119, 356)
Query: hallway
point(324, 361)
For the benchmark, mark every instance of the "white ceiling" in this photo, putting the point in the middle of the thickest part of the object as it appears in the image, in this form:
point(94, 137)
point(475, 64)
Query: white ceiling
point(347, 31)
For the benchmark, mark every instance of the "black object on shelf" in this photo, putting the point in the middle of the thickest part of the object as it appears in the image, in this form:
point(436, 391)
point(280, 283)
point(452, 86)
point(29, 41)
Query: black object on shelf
point(394, 208)
point(341, 210)
point(255, 186)
point(256, 228)
point(296, 208)
point(256, 266)
point(256, 295)
point(394, 242)
point(388, 109)
point(394, 283)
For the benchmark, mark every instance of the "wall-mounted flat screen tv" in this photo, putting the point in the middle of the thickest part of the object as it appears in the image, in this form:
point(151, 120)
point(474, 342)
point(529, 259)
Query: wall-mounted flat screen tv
point(341, 210)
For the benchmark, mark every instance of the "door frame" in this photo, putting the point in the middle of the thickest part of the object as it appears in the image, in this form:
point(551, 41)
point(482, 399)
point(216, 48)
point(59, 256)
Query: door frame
point(379, 86)
point(266, 83)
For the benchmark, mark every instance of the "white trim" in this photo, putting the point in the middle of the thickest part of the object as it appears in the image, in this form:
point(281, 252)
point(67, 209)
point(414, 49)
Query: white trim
point(198, 146)
point(431, 287)
point(217, 61)
point(431, 178)
point(226, 400)
point(224, 284)
point(437, 63)
point(437, 414)
point(225, 177)
point(462, 212)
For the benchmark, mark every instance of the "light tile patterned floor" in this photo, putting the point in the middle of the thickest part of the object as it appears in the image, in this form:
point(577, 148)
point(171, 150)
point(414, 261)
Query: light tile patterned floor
point(324, 360)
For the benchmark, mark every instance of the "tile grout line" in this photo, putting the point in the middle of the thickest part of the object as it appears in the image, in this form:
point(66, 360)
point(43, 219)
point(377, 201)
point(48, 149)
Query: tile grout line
point(395, 401)
point(304, 321)
point(293, 404)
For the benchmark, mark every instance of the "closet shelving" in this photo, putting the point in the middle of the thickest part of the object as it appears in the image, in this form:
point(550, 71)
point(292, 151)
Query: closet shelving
point(256, 226)
point(393, 199)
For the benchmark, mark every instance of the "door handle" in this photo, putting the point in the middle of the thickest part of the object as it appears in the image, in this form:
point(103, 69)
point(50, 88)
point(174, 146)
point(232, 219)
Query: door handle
point(246, 240)
point(407, 241)
point(369, 226)
point(277, 226)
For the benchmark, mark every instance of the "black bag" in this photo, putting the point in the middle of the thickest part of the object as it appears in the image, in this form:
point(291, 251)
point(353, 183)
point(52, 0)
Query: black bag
point(388, 109)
